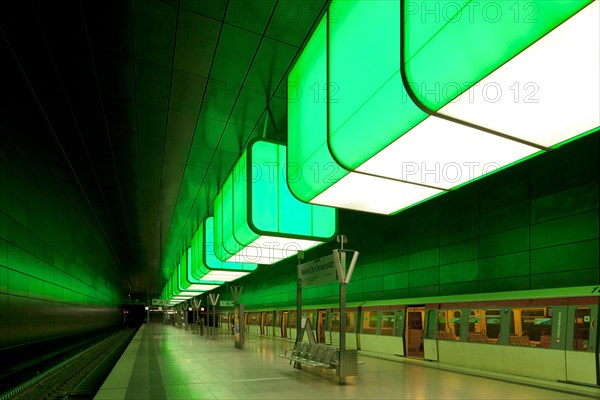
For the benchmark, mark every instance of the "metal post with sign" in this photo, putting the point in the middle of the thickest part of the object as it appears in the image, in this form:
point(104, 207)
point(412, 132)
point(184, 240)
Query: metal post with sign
point(299, 326)
point(322, 271)
point(196, 303)
point(214, 299)
point(348, 359)
point(238, 317)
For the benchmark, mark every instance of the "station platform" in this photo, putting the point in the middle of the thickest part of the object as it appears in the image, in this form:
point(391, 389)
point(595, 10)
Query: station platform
point(164, 362)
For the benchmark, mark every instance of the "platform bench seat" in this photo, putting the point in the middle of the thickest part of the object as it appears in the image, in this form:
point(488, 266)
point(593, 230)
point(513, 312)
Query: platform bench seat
point(313, 355)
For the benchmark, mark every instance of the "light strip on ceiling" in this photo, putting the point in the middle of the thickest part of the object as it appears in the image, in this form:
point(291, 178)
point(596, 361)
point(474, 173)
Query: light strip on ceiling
point(391, 135)
point(257, 219)
point(548, 93)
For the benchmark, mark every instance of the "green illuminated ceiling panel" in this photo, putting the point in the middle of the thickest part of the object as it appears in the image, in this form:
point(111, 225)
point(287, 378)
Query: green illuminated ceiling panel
point(540, 94)
point(489, 34)
point(372, 107)
point(416, 109)
point(184, 281)
point(207, 268)
point(257, 219)
point(311, 168)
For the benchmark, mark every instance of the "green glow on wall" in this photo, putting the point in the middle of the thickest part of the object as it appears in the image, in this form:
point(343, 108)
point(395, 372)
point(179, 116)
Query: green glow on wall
point(257, 219)
point(395, 133)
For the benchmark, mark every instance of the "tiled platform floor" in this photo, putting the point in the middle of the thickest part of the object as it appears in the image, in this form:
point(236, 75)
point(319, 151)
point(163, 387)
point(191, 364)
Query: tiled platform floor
point(164, 362)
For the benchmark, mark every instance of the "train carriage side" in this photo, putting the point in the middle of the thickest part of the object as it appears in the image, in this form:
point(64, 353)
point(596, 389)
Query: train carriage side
point(548, 334)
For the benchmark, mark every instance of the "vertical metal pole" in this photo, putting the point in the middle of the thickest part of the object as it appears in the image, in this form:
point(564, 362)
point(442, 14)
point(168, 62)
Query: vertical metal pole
point(299, 301)
point(214, 328)
point(299, 311)
point(299, 332)
point(194, 316)
point(342, 315)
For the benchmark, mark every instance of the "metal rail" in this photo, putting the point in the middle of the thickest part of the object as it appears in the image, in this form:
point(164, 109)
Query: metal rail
point(78, 377)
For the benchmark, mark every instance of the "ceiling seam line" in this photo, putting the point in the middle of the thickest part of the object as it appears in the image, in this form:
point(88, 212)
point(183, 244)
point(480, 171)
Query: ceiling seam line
point(77, 128)
point(137, 134)
point(103, 111)
point(229, 116)
point(51, 128)
point(276, 89)
point(67, 197)
point(196, 124)
point(160, 184)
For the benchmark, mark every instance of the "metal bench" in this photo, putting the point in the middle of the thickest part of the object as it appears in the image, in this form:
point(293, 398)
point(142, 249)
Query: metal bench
point(313, 355)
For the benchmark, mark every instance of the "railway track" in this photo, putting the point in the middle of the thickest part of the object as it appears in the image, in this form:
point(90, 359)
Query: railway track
point(80, 376)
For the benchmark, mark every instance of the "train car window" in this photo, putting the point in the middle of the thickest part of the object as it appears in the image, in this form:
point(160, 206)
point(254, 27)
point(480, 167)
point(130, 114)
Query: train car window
point(292, 319)
point(350, 322)
point(253, 318)
point(335, 322)
point(269, 318)
point(581, 334)
point(370, 319)
point(334, 325)
point(492, 323)
point(484, 326)
point(310, 316)
point(449, 324)
point(530, 327)
point(278, 318)
point(388, 323)
point(399, 322)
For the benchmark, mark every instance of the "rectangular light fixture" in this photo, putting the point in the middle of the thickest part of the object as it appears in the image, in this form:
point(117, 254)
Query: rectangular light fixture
point(428, 101)
point(206, 267)
point(199, 270)
point(257, 219)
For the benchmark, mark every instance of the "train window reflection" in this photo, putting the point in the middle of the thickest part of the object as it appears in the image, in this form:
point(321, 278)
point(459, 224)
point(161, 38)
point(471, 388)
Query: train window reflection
point(252, 318)
point(484, 326)
point(581, 334)
point(400, 323)
point(370, 322)
point(335, 322)
point(388, 322)
point(292, 319)
point(530, 326)
point(449, 324)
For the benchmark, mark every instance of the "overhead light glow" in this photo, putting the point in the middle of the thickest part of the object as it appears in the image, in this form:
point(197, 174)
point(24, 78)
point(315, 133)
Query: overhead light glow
point(414, 109)
point(257, 219)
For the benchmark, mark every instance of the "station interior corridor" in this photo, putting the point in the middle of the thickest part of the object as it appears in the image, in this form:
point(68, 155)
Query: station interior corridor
point(164, 362)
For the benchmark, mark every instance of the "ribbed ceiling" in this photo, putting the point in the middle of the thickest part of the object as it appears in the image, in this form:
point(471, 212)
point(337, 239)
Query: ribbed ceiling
point(139, 108)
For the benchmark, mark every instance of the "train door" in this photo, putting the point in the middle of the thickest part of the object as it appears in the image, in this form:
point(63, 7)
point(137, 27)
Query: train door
point(321, 321)
point(263, 316)
point(401, 331)
point(582, 347)
point(269, 322)
point(414, 331)
point(277, 324)
point(430, 350)
point(284, 322)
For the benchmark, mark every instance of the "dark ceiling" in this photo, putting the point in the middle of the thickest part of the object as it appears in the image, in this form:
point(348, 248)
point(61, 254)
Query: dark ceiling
point(139, 108)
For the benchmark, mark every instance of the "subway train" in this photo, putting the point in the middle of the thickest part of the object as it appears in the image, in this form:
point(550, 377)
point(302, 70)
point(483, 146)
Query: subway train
point(546, 334)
